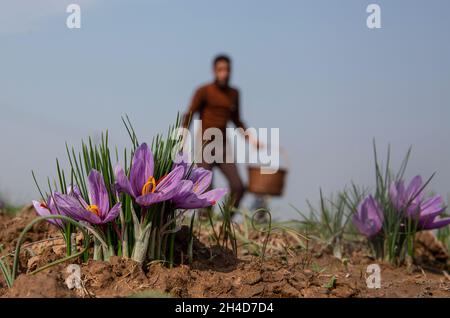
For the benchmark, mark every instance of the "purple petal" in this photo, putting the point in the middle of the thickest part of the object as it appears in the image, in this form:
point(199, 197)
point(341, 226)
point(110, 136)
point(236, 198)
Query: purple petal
point(184, 188)
point(395, 193)
point(70, 205)
point(88, 216)
point(152, 198)
point(413, 188)
point(369, 217)
point(165, 190)
point(181, 159)
point(413, 209)
point(42, 211)
point(171, 180)
point(363, 213)
point(113, 213)
point(376, 209)
point(184, 191)
point(194, 201)
point(357, 222)
point(141, 168)
point(74, 190)
point(436, 224)
point(123, 185)
point(432, 206)
point(51, 204)
point(201, 178)
point(97, 192)
point(430, 209)
point(214, 195)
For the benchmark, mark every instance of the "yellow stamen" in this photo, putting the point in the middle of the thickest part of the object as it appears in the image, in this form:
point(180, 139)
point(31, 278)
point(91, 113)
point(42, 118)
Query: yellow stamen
point(149, 186)
point(94, 209)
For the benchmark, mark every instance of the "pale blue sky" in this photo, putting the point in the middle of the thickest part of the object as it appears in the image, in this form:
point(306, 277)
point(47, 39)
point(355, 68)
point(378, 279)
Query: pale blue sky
point(312, 68)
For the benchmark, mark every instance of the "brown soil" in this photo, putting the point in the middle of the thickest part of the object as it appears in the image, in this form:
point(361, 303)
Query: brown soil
point(215, 272)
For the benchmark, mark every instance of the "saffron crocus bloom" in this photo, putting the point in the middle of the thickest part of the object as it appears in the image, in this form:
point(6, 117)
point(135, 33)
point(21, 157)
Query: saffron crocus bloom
point(430, 209)
point(192, 195)
point(407, 199)
point(142, 185)
point(98, 212)
point(410, 200)
point(48, 208)
point(369, 217)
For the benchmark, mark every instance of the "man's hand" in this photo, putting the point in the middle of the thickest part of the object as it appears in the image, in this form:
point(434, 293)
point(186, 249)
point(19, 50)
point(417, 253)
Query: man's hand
point(256, 143)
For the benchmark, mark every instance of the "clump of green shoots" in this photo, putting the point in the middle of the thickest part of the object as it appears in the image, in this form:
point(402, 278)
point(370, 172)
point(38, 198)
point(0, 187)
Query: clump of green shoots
point(5, 269)
point(329, 222)
point(226, 236)
point(391, 216)
point(90, 197)
point(257, 238)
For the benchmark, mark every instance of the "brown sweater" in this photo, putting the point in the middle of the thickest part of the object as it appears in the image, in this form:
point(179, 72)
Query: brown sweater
point(216, 105)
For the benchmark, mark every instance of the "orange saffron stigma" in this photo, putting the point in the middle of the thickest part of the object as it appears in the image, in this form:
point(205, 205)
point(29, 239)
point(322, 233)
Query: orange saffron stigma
point(94, 209)
point(149, 186)
point(44, 205)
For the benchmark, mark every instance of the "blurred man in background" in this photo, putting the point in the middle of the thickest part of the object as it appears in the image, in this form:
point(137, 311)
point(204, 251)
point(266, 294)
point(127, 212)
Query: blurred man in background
point(218, 104)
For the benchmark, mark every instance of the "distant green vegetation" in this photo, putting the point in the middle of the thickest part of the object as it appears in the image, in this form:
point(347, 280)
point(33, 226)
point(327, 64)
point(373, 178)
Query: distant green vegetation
point(7, 207)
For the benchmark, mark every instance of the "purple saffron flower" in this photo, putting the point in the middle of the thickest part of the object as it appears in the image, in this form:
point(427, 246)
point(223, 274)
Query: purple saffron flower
point(369, 217)
point(48, 208)
point(192, 195)
point(142, 185)
point(98, 211)
point(410, 200)
point(407, 199)
point(430, 209)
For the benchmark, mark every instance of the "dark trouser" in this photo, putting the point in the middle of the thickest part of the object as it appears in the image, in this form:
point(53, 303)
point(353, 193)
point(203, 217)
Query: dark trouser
point(230, 171)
